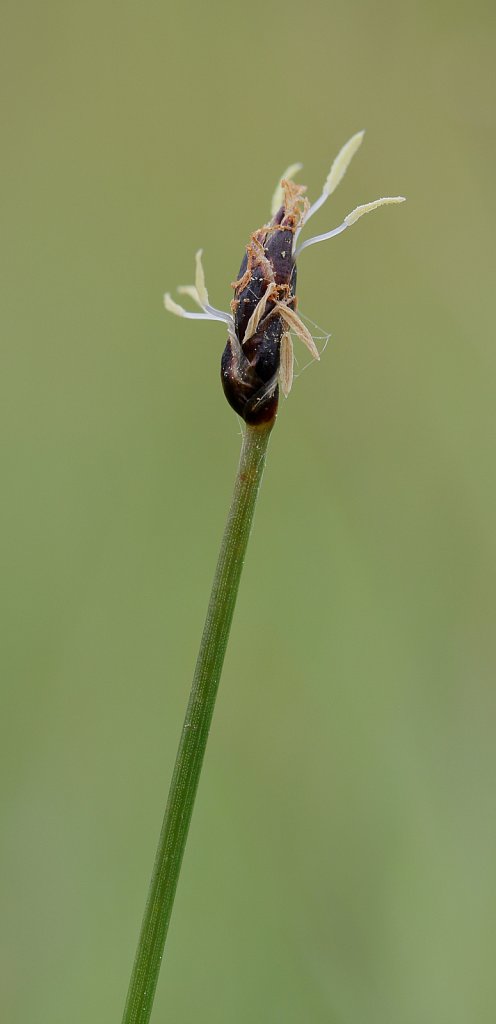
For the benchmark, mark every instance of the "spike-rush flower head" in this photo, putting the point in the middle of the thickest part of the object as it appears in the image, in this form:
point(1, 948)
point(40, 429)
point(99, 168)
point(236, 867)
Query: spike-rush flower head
point(259, 352)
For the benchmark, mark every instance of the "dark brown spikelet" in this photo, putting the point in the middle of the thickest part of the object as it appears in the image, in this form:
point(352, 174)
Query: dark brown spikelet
point(266, 282)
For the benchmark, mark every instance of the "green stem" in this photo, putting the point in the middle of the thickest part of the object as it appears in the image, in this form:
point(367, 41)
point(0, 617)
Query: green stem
point(196, 727)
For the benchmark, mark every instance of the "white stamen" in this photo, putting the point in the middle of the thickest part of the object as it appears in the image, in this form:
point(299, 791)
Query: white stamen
point(191, 290)
point(218, 314)
point(367, 207)
point(320, 238)
point(200, 279)
point(295, 324)
point(286, 364)
point(336, 174)
point(174, 307)
point(278, 196)
point(350, 219)
point(215, 314)
point(341, 163)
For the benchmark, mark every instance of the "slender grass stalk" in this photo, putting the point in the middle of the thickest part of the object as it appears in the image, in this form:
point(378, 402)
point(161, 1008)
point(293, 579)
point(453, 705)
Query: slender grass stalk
point(196, 727)
point(257, 358)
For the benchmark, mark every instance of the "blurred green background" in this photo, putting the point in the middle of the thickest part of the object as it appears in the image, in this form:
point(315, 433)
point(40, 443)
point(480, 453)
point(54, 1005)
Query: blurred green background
point(341, 862)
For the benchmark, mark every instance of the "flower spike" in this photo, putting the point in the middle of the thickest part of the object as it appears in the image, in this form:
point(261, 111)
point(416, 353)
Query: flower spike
point(258, 356)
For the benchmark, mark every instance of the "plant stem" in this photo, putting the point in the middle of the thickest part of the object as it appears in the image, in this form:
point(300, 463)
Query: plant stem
point(196, 727)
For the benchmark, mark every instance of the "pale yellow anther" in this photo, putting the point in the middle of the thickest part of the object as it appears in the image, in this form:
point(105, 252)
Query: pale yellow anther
point(355, 215)
point(286, 364)
point(172, 306)
point(192, 291)
point(342, 162)
point(258, 312)
point(295, 324)
point(277, 198)
point(200, 279)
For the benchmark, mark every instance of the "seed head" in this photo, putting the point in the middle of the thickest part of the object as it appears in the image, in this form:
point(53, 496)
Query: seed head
point(259, 351)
